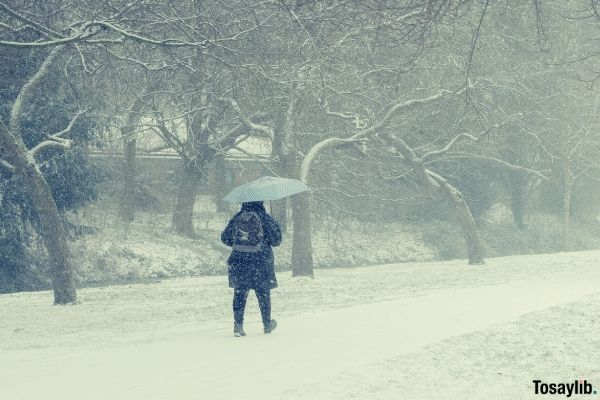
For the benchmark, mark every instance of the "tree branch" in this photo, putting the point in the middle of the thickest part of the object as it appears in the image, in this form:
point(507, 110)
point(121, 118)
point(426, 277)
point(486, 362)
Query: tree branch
point(231, 133)
point(317, 148)
point(56, 140)
point(26, 91)
point(449, 145)
point(358, 123)
point(403, 106)
point(144, 65)
point(44, 30)
point(7, 165)
point(474, 41)
point(455, 139)
point(142, 39)
point(504, 163)
point(55, 42)
point(174, 142)
point(70, 126)
point(361, 135)
point(246, 121)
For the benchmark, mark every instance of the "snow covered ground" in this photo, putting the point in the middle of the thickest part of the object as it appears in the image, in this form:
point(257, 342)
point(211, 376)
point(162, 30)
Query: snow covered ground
point(404, 331)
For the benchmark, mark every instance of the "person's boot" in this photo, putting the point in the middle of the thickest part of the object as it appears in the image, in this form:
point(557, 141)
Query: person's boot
point(270, 327)
point(238, 329)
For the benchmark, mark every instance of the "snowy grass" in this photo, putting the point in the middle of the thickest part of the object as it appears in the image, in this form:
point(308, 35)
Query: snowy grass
point(149, 250)
point(501, 238)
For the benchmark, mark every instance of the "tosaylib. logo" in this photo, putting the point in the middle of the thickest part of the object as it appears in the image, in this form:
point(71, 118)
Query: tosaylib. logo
point(581, 386)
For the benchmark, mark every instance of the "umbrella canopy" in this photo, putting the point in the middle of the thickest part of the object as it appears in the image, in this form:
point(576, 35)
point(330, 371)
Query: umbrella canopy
point(266, 188)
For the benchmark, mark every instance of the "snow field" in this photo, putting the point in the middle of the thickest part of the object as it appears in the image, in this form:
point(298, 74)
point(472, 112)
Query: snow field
point(410, 331)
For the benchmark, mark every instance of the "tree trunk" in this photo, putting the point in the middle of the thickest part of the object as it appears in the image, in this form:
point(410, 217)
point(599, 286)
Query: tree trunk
point(465, 219)
point(187, 191)
point(518, 197)
point(127, 207)
point(302, 257)
point(517, 206)
point(286, 168)
point(51, 230)
point(128, 133)
point(566, 220)
point(279, 208)
point(53, 234)
point(13, 150)
point(567, 190)
point(220, 184)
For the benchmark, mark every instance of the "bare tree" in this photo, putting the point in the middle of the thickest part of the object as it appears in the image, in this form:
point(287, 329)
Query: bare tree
point(23, 163)
point(428, 179)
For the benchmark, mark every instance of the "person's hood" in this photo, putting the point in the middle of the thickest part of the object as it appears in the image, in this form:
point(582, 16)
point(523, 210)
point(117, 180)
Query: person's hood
point(256, 206)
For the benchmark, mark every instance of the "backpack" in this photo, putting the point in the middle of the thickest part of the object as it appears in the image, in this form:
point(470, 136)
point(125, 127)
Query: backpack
point(248, 233)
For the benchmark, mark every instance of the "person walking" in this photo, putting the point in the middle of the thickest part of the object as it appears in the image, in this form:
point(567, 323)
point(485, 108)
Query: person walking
point(251, 233)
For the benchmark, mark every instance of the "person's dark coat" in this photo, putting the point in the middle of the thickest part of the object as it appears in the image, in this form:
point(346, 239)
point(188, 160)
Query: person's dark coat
point(253, 270)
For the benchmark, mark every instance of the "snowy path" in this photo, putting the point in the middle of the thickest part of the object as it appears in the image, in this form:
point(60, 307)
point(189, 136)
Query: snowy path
point(307, 350)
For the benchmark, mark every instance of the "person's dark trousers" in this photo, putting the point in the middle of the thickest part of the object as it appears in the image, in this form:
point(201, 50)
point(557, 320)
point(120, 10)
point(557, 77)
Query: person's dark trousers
point(264, 302)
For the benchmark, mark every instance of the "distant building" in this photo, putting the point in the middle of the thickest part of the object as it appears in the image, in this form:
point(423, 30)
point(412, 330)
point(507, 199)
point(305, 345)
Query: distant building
point(158, 165)
point(248, 160)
